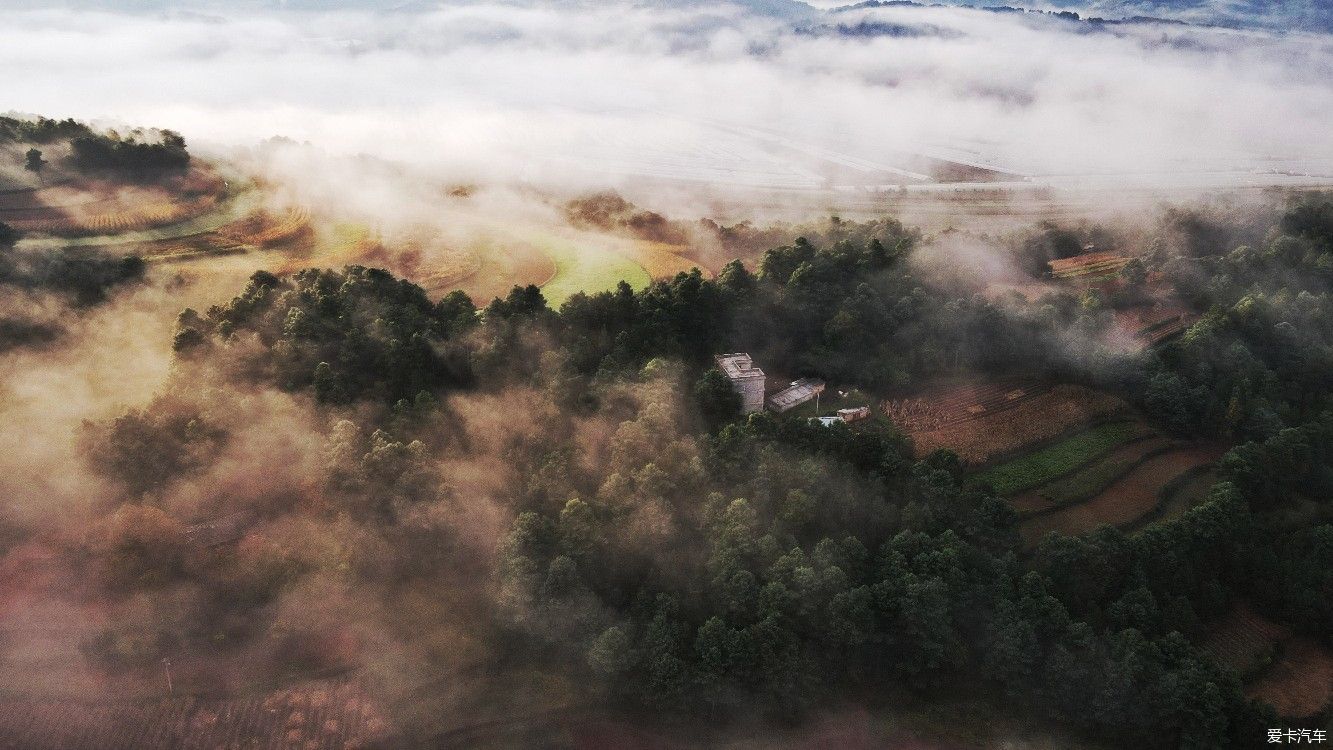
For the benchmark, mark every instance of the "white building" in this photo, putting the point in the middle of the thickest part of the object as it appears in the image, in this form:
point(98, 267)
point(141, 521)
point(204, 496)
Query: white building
point(746, 379)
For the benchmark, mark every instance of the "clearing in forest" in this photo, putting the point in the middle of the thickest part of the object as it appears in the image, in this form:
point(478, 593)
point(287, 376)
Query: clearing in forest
point(1291, 672)
point(587, 269)
point(1244, 640)
point(1087, 265)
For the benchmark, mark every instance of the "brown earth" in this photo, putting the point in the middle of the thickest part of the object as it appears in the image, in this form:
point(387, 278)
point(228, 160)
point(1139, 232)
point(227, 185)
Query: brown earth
point(1300, 685)
point(1243, 639)
point(1128, 499)
point(996, 433)
point(1034, 501)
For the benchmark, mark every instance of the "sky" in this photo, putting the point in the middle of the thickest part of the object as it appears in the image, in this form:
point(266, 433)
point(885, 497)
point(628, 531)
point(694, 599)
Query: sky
point(689, 91)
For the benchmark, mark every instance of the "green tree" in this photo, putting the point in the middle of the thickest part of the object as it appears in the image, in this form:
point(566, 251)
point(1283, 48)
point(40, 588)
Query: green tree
point(33, 162)
point(718, 401)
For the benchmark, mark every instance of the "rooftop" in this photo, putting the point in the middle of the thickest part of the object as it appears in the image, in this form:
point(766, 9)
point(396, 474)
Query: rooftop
point(738, 366)
point(797, 393)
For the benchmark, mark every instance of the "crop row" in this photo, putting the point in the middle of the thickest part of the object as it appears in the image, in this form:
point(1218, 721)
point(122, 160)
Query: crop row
point(1093, 479)
point(1165, 331)
point(114, 221)
point(1107, 267)
point(1004, 432)
point(268, 229)
point(1046, 464)
point(319, 716)
point(1300, 684)
point(1243, 639)
point(1065, 265)
point(931, 411)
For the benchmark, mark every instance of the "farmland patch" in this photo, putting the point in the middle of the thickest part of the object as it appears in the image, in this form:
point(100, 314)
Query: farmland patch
point(1125, 502)
point(1300, 684)
point(1244, 640)
point(1046, 464)
point(1092, 479)
point(994, 433)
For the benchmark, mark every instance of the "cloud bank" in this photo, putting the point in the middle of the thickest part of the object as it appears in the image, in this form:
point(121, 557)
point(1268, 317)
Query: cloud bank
point(572, 92)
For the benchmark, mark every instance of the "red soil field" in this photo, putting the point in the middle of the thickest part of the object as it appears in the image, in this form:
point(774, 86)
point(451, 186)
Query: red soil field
point(1243, 639)
point(101, 207)
point(939, 407)
point(1035, 501)
point(1087, 263)
point(317, 715)
point(1124, 502)
point(991, 432)
point(1300, 685)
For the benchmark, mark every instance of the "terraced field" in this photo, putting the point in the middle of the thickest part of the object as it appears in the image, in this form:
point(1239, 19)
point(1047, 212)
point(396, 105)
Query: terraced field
point(1088, 481)
point(661, 260)
point(1293, 673)
point(1126, 501)
point(256, 231)
point(947, 405)
point(1059, 459)
point(1087, 265)
point(1186, 491)
point(1168, 329)
point(316, 715)
point(1001, 420)
point(500, 268)
point(97, 208)
point(269, 229)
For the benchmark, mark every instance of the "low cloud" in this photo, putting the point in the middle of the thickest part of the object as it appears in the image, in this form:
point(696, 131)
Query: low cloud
point(561, 94)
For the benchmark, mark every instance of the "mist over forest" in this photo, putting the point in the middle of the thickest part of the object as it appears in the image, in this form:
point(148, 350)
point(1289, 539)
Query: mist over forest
point(665, 375)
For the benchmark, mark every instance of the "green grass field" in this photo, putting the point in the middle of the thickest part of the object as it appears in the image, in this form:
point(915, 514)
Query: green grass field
point(1044, 465)
point(589, 270)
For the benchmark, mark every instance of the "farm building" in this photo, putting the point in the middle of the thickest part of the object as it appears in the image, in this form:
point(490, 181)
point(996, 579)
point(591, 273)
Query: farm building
point(799, 392)
point(746, 379)
point(852, 415)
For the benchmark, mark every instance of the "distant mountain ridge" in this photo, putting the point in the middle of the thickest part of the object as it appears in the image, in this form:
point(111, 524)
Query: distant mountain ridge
point(777, 8)
point(1296, 15)
point(1291, 15)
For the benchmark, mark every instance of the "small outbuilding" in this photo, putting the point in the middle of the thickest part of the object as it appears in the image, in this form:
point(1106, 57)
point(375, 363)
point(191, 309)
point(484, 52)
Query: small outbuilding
point(799, 392)
point(854, 414)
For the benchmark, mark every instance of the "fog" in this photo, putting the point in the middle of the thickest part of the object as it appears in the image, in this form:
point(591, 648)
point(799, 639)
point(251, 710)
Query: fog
point(587, 93)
